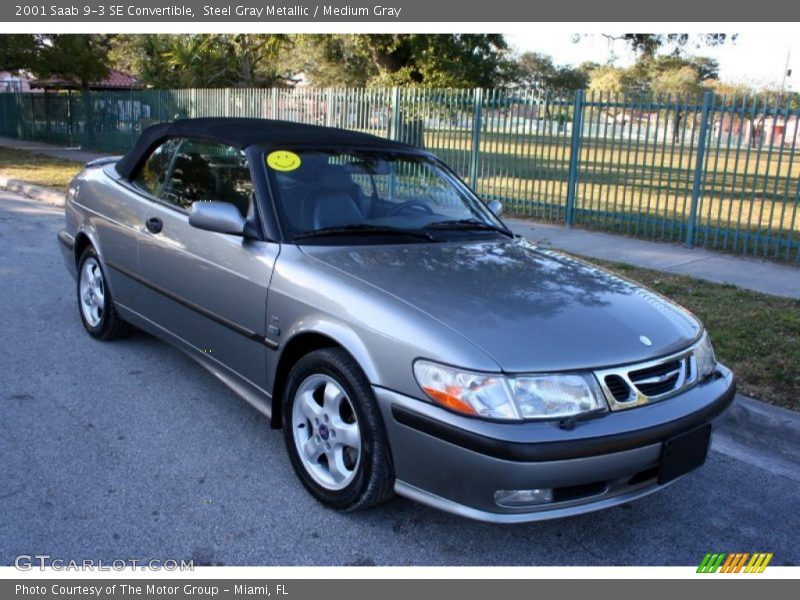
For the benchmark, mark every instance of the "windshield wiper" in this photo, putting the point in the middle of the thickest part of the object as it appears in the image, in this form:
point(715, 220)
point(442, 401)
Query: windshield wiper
point(468, 224)
point(365, 229)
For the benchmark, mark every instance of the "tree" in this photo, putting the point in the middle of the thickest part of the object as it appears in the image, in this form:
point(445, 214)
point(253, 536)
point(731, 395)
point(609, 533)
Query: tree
point(144, 56)
point(19, 51)
point(82, 58)
point(707, 68)
point(203, 60)
point(649, 44)
point(676, 75)
point(419, 60)
point(329, 61)
point(682, 82)
point(704, 67)
point(588, 67)
point(221, 60)
point(535, 69)
point(437, 60)
point(729, 90)
point(610, 80)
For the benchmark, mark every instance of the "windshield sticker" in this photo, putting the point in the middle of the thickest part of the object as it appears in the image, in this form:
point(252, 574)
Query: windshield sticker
point(283, 160)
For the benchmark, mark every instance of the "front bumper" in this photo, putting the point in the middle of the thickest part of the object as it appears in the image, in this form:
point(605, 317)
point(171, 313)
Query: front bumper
point(456, 463)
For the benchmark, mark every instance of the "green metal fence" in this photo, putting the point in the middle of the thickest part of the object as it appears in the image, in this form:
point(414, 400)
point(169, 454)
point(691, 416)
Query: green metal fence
point(717, 172)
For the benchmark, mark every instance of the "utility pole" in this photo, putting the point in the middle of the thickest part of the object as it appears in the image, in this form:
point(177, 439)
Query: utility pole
point(786, 73)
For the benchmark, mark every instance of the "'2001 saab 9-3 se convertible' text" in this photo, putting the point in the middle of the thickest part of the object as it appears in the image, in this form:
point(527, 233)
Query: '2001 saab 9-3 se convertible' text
point(355, 291)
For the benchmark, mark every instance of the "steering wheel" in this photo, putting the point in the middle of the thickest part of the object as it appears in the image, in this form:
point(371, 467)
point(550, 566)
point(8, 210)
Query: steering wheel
point(410, 204)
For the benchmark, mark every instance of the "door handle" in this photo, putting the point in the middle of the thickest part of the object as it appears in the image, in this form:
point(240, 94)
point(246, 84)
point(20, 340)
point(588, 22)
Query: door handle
point(154, 225)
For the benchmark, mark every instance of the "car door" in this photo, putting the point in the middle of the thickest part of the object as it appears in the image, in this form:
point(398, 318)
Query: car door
point(124, 206)
point(208, 289)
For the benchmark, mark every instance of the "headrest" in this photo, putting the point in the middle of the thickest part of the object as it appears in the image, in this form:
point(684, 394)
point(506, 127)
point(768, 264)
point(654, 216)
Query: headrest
point(335, 209)
point(337, 178)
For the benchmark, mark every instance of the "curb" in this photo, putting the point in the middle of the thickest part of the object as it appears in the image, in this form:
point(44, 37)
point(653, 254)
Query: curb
point(47, 195)
point(761, 435)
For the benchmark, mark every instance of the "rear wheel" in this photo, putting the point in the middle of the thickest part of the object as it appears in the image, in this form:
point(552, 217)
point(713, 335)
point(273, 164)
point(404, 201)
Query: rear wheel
point(96, 306)
point(334, 432)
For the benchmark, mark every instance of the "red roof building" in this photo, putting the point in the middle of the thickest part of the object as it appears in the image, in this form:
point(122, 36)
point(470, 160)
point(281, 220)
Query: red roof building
point(115, 80)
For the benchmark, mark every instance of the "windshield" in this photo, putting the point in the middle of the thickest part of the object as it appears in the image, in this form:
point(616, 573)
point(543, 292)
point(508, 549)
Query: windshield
point(337, 197)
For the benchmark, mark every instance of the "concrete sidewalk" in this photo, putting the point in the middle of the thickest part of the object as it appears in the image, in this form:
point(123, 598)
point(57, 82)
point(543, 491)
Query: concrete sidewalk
point(743, 271)
point(76, 154)
point(746, 272)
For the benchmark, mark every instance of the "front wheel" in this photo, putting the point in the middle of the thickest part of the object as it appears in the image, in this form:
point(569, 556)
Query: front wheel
point(97, 310)
point(334, 432)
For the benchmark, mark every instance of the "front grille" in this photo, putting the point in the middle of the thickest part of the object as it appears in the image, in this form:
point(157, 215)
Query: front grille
point(651, 381)
point(618, 388)
point(658, 379)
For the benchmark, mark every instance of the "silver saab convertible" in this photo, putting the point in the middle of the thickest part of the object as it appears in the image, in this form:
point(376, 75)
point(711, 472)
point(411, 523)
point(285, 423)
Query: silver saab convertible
point(355, 291)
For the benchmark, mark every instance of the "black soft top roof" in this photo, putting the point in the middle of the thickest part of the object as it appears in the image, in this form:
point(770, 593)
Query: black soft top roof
point(242, 133)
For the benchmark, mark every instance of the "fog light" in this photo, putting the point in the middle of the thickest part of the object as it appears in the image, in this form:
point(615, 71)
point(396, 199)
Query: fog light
point(523, 497)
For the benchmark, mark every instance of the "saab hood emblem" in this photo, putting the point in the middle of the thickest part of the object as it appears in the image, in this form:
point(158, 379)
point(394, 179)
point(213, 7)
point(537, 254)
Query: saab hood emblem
point(645, 340)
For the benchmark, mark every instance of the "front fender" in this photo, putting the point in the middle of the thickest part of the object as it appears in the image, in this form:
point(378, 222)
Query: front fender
point(341, 334)
point(383, 333)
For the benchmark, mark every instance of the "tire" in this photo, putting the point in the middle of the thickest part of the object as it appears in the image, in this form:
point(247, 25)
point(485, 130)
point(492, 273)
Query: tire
point(334, 432)
point(95, 304)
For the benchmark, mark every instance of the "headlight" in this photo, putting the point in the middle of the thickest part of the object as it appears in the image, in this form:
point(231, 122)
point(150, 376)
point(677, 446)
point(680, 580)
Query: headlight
point(704, 357)
point(498, 397)
point(557, 395)
point(471, 393)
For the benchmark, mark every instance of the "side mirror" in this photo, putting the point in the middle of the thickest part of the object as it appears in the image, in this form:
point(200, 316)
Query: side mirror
point(220, 217)
point(496, 207)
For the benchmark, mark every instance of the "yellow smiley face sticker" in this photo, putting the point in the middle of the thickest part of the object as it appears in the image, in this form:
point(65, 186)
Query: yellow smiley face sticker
point(283, 160)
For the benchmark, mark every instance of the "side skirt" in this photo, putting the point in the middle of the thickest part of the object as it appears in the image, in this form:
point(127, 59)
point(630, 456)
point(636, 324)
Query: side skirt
point(259, 398)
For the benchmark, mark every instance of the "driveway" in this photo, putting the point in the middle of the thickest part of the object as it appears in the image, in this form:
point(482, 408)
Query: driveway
point(131, 450)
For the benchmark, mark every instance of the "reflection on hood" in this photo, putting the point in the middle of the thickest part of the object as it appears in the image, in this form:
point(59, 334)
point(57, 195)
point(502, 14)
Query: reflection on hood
point(530, 309)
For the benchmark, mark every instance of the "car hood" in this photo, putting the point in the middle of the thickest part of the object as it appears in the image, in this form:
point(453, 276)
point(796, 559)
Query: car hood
point(529, 308)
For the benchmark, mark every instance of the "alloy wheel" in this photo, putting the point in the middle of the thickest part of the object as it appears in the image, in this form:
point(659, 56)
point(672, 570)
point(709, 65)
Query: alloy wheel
point(326, 432)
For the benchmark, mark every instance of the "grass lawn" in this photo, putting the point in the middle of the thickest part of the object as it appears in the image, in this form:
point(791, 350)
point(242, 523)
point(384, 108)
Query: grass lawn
point(756, 335)
point(37, 168)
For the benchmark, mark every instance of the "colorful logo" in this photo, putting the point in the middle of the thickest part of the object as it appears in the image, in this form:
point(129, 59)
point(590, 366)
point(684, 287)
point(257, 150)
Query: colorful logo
point(743, 562)
point(283, 160)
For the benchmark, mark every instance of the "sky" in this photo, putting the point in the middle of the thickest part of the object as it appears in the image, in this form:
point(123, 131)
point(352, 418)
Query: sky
point(754, 58)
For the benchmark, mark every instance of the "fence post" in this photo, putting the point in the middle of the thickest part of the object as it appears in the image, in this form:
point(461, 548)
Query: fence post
point(70, 137)
point(131, 119)
point(33, 127)
point(274, 103)
point(477, 123)
point(20, 115)
point(574, 154)
point(329, 107)
point(697, 184)
point(394, 123)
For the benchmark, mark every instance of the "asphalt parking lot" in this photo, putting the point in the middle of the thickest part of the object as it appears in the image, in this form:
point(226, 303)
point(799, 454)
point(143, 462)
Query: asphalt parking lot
point(131, 450)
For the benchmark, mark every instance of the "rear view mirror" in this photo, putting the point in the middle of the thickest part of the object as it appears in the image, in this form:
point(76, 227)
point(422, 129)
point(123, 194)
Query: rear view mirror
point(220, 217)
point(367, 167)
